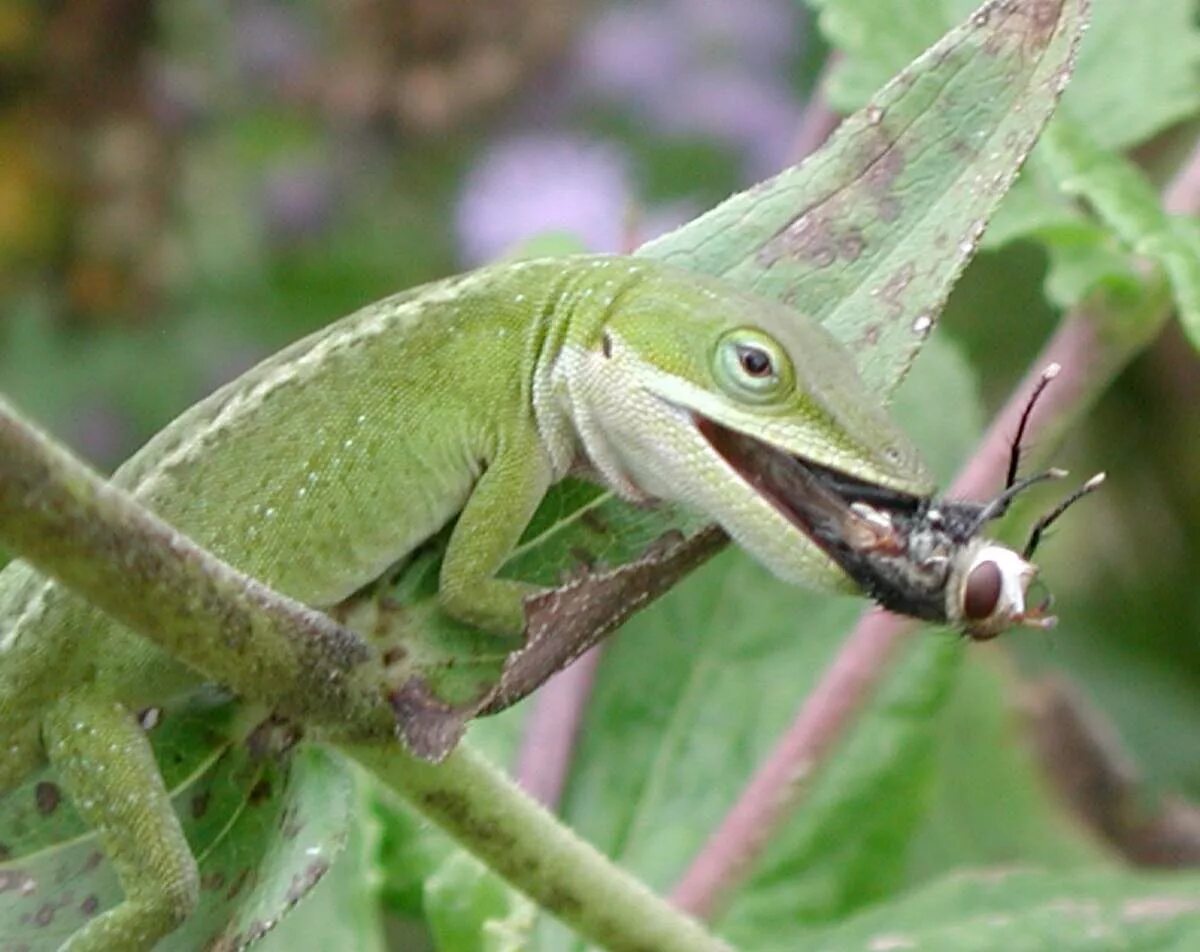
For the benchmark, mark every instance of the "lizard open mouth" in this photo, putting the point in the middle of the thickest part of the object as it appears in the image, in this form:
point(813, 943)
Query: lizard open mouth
point(807, 494)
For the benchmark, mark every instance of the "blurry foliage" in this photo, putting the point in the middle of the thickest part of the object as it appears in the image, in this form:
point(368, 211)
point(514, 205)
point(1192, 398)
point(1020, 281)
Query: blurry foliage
point(181, 196)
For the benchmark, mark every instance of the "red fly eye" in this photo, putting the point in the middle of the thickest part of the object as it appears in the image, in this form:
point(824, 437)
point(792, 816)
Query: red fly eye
point(982, 591)
point(756, 362)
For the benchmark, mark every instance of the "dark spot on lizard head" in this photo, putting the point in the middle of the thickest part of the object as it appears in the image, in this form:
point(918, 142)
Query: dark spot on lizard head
point(47, 796)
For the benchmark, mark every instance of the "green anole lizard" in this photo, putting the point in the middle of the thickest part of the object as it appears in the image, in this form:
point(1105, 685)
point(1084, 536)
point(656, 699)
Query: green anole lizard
point(323, 466)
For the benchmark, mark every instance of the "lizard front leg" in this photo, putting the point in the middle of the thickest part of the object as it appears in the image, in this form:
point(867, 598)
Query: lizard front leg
point(107, 767)
point(497, 512)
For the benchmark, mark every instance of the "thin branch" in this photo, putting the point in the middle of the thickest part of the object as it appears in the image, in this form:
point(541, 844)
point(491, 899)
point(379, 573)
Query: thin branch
point(64, 519)
point(1090, 356)
point(1082, 755)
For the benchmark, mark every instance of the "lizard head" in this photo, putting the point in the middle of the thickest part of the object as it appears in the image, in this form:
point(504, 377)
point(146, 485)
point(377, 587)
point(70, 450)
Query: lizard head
point(696, 393)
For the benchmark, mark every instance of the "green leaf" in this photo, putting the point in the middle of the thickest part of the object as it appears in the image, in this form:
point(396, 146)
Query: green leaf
point(470, 909)
point(343, 911)
point(1125, 201)
point(848, 845)
point(991, 804)
point(263, 822)
point(1095, 911)
point(1139, 69)
point(870, 233)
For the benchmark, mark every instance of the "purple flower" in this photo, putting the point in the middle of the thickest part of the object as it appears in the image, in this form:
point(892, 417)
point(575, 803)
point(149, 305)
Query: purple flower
point(529, 185)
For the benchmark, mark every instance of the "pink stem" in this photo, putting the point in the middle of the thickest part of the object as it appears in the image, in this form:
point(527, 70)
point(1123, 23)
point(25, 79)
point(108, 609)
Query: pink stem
point(548, 742)
point(1087, 362)
point(866, 655)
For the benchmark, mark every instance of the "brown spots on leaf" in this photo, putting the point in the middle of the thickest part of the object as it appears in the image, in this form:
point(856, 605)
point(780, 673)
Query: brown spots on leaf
point(870, 336)
point(564, 623)
point(47, 796)
point(94, 859)
point(884, 168)
point(290, 824)
point(393, 656)
point(272, 738)
point(1029, 25)
point(259, 793)
point(90, 906)
point(5, 853)
point(428, 725)
point(892, 291)
point(200, 804)
point(583, 558)
point(852, 244)
point(303, 882)
point(819, 237)
point(595, 522)
point(1042, 17)
point(238, 884)
point(13, 879)
point(45, 915)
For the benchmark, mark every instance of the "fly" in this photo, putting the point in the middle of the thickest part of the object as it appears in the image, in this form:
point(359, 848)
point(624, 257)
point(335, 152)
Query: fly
point(928, 558)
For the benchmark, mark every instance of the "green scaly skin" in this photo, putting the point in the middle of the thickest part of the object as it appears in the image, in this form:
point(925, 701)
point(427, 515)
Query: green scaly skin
point(330, 461)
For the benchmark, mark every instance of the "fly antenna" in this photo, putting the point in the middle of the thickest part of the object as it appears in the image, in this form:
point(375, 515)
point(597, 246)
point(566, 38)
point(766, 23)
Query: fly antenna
point(999, 506)
point(1044, 523)
point(1014, 458)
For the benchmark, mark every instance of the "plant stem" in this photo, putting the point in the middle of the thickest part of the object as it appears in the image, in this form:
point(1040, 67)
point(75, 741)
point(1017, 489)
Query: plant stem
point(552, 727)
point(60, 516)
point(504, 827)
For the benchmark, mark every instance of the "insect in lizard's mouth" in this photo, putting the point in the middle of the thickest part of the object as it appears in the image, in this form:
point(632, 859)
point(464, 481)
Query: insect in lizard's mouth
point(802, 491)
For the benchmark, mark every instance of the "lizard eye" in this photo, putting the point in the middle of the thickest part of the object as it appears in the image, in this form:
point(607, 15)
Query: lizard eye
point(750, 366)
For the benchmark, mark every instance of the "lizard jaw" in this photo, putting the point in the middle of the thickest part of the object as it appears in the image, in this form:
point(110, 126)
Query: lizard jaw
point(790, 483)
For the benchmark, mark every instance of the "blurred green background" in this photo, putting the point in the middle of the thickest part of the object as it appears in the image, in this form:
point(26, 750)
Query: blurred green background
point(186, 186)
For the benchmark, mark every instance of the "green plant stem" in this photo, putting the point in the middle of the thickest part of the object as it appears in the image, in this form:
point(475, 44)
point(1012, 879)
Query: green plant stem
point(493, 818)
point(60, 516)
